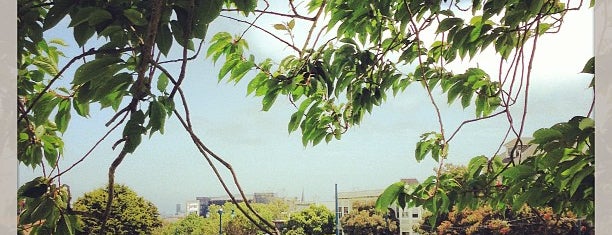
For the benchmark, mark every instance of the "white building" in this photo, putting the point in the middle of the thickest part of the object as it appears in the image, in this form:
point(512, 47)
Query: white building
point(407, 217)
point(192, 207)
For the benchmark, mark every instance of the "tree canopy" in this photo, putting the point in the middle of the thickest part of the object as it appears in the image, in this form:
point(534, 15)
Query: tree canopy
point(316, 220)
point(130, 213)
point(354, 55)
point(364, 219)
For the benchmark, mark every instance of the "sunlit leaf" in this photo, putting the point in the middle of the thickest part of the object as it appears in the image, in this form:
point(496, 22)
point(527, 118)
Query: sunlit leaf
point(94, 69)
point(135, 16)
point(448, 23)
point(162, 82)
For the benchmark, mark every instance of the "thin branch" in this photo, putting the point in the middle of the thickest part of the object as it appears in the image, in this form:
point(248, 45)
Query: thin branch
point(435, 105)
point(184, 61)
point(91, 51)
point(180, 91)
point(141, 89)
point(111, 189)
point(265, 31)
point(205, 152)
point(255, 20)
point(473, 120)
point(193, 57)
point(295, 15)
point(313, 26)
point(529, 68)
point(92, 148)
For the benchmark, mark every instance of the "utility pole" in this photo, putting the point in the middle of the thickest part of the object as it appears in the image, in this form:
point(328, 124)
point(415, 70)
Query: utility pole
point(337, 211)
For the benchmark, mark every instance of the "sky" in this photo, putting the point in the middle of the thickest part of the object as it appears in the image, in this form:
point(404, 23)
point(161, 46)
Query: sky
point(168, 170)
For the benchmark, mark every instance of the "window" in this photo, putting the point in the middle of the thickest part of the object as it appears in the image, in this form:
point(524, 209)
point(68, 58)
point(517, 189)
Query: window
point(346, 210)
point(415, 215)
point(405, 213)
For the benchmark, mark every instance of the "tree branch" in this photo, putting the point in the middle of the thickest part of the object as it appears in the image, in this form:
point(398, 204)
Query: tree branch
point(91, 51)
point(313, 26)
point(265, 31)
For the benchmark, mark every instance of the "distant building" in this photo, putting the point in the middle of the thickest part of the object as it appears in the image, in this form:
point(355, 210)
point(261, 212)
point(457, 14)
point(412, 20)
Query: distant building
point(192, 207)
point(205, 202)
point(178, 209)
point(407, 217)
point(523, 150)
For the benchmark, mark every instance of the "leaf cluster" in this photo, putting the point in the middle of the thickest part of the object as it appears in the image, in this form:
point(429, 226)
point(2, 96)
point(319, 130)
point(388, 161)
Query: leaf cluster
point(559, 175)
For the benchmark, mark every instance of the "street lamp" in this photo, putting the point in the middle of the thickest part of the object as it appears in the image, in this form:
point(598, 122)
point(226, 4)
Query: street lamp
point(220, 211)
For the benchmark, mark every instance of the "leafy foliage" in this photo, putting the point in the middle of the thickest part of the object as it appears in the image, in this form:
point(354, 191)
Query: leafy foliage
point(233, 221)
point(364, 219)
point(118, 67)
point(559, 175)
point(316, 220)
point(190, 224)
point(485, 220)
point(130, 213)
point(372, 49)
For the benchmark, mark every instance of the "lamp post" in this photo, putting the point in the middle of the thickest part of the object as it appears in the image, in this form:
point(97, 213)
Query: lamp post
point(220, 211)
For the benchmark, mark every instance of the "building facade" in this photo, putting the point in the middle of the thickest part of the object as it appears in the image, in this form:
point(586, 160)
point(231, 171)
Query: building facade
point(407, 217)
point(205, 202)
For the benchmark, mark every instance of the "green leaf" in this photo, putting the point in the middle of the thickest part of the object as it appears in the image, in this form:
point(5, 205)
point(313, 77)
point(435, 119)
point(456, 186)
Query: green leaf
point(43, 108)
point(423, 147)
point(33, 189)
point(589, 67)
point(448, 23)
point(230, 64)
point(454, 91)
point(64, 226)
point(82, 33)
point(56, 13)
point(112, 85)
point(43, 209)
point(546, 135)
point(586, 123)
point(246, 6)
point(535, 6)
point(51, 153)
point(98, 16)
point(475, 166)
point(162, 82)
point(157, 117)
point(94, 69)
point(135, 16)
point(46, 64)
point(578, 178)
point(207, 11)
point(389, 196)
point(178, 32)
point(133, 131)
point(294, 122)
point(164, 39)
point(82, 109)
point(81, 16)
point(466, 97)
point(258, 81)
point(518, 172)
point(241, 69)
point(280, 27)
point(291, 24)
point(168, 104)
point(39, 131)
point(269, 99)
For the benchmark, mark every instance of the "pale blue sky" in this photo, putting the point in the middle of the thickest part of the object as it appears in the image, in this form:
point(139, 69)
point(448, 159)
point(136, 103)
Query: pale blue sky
point(167, 169)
